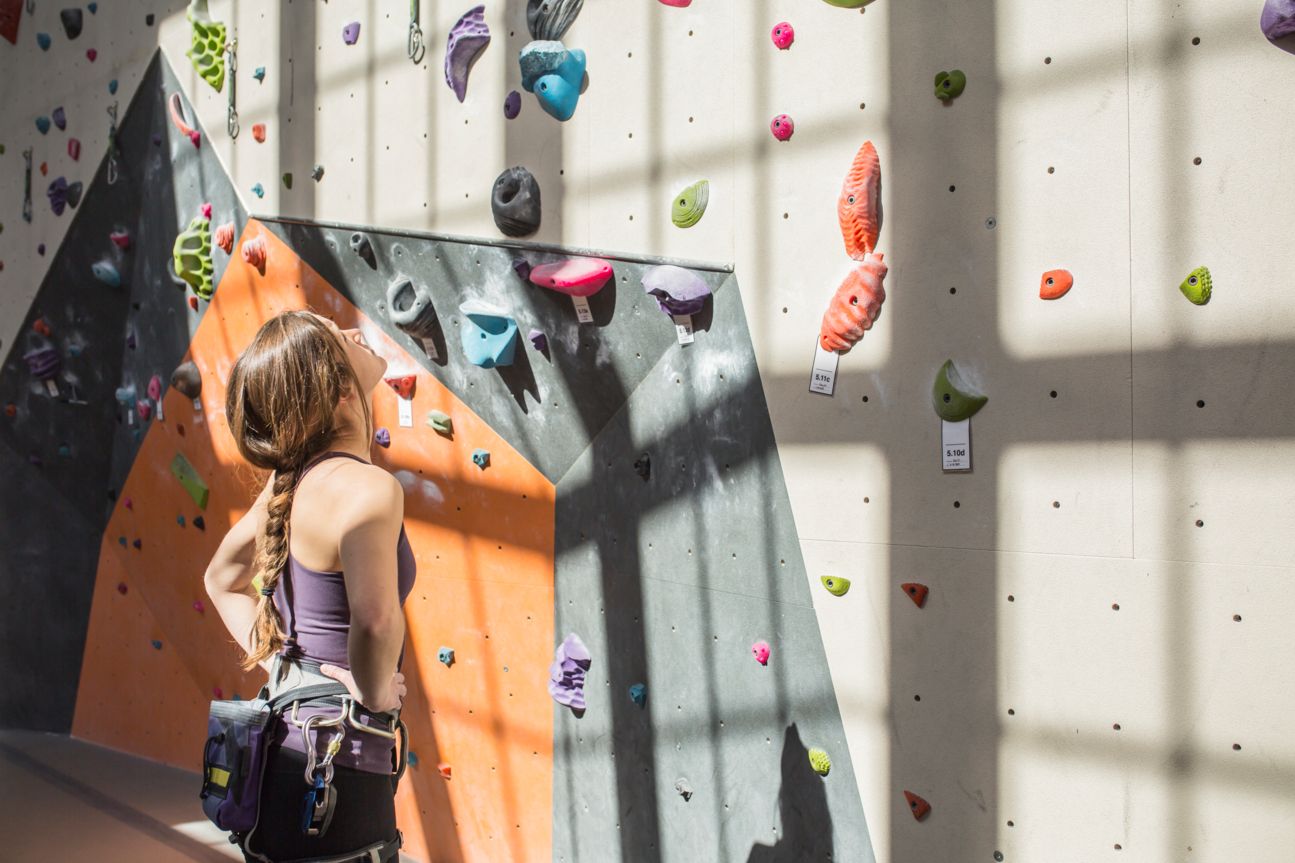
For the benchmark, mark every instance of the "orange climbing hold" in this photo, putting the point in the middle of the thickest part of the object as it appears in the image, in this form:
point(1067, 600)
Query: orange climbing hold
point(224, 236)
point(1055, 284)
point(859, 207)
point(403, 385)
point(254, 252)
point(855, 305)
point(258, 132)
point(41, 327)
point(916, 592)
point(919, 807)
point(444, 769)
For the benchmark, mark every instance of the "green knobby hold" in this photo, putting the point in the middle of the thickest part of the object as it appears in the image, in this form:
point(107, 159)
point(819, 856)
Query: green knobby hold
point(441, 422)
point(1198, 286)
point(819, 760)
point(953, 398)
point(690, 204)
point(836, 585)
point(207, 51)
point(287, 180)
point(949, 85)
point(187, 474)
point(848, 4)
point(192, 254)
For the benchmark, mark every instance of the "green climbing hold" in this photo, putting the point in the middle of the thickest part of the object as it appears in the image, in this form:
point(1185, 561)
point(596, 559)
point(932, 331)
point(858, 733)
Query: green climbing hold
point(440, 422)
point(949, 85)
point(1198, 286)
point(835, 585)
point(848, 4)
point(819, 760)
point(207, 51)
point(188, 477)
point(192, 255)
point(690, 204)
point(287, 180)
point(953, 398)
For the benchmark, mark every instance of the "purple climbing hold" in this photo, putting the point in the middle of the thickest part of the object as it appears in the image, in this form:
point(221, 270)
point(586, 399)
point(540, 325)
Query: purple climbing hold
point(57, 194)
point(522, 268)
point(677, 291)
point(382, 437)
point(60, 118)
point(539, 341)
point(512, 104)
point(43, 363)
point(571, 663)
point(468, 38)
point(157, 139)
point(1278, 22)
point(40, 250)
point(351, 33)
point(139, 544)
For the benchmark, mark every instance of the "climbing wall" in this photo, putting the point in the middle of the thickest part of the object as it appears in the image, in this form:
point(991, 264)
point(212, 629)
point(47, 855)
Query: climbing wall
point(1101, 665)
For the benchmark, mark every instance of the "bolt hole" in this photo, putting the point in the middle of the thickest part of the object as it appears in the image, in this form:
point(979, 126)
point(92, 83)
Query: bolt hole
point(1236, 747)
point(1051, 170)
point(1011, 597)
point(1236, 618)
point(951, 188)
point(865, 400)
point(1116, 726)
point(953, 290)
point(957, 504)
point(1052, 394)
point(1056, 504)
point(1196, 40)
point(1011, 711)
point(1047, 61)
point(1200, 403)
point(1115, 606)
point(917, 698)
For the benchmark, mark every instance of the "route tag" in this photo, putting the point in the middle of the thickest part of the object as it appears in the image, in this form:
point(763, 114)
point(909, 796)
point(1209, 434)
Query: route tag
point(683, 328)
point(955, 445)
point(822, 380)
point(583, 313)
point(406, 412)
point(429, 345)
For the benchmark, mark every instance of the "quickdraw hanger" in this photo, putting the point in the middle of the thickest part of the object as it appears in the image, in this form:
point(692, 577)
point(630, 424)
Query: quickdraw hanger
point(231, 113)
point(416, 46)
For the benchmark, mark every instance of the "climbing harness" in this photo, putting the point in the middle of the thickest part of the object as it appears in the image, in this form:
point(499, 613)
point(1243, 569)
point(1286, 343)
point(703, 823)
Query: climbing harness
point(113, 151)
point(231, 113)
point(416, 47)
point(26, 194)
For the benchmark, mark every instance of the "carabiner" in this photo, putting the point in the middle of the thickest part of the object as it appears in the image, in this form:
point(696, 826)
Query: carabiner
point(231, 113)
point(26, 195)
point(112, 144)
point(416, 48)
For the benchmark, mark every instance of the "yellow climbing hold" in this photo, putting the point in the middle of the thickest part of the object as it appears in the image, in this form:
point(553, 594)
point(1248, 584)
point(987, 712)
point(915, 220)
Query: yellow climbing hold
point(192, 255)
point(819, 760)
point(207, 51)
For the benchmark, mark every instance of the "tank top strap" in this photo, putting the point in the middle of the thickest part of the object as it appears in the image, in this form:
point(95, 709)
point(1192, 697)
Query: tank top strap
point(327, 455)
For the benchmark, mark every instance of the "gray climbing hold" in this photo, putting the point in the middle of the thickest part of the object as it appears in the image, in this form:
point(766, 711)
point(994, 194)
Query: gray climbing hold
point(187, 380)
point(410, 307)
point(72, 21)
point(643, 466)
point(74, 194)
point(363, 246)
point(468, 38)
point(677, 291)
point(685, 790)
point(106, 272)
point(550, 19)
point(318, 173)
point(515, 202)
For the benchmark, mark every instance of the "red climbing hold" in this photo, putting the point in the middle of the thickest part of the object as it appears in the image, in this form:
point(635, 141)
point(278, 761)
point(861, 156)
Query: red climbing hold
point(121, 588)
point(218, 693)
point(41, 327)
point(919, 807)
point(193, 303)
point(444, 769)
point(10, 15)
point(916, 592)
point(11, 410)
point(403, 385)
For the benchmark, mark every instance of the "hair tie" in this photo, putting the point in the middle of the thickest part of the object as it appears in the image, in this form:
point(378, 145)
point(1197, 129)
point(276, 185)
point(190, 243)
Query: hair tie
point(267, 591)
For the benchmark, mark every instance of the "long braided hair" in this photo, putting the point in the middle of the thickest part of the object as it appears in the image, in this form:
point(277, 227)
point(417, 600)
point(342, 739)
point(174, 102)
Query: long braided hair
point(280, 404)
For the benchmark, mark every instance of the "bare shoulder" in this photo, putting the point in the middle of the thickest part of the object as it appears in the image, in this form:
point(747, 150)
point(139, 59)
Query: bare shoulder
point(361, 493)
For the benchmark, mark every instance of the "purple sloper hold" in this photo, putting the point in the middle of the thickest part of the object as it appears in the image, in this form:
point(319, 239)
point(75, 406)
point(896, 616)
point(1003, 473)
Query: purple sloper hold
point(539, 341)
point(57, 194)
point(60, 118)
point(468, 38)
point(351, 33)
point(512, 105)
point(571, 662)
point(677, 291)
point(43, 363)
point(1278, 21)
point(382, 437)
point(522, 268)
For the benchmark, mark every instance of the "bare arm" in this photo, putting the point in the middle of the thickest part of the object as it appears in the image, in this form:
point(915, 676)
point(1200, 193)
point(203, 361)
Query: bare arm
point(228, 579)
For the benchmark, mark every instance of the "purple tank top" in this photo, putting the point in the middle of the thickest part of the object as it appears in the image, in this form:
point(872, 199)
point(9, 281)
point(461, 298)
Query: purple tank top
point(318, 620)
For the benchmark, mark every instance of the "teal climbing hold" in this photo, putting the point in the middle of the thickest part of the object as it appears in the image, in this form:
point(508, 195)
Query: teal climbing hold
point(413, 759)
point(258, 190)
point(554, 74)
point(106, 272)
point(488, 335)
point(112, 87)
point(481, 458)
point(157, 645)
point(638, 694)
point(446, 656)
point(179, 519)
point(42, 123)
point(121, 540)
point(259, 74)
point(187, 474)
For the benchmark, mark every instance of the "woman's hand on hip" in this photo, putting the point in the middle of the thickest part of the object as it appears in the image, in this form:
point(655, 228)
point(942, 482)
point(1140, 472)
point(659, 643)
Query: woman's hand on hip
point(385, 702)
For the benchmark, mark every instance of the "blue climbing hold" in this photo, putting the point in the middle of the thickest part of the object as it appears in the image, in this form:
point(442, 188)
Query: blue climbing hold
point(107, 273)
point(446, 656)
point(258, 190)
point(259, 74)
point(157, 645)
point(64, 450)
point(554, 74)
point(488, 335)
point(413, 759)
point(638, 694)
point(93, 7)
point(42, 123)
point(481, 458)
point(121, 540)
point(42, 39)
point(112, 86)
point(179, 519)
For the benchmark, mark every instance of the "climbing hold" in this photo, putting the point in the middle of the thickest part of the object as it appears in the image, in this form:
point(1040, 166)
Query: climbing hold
point(643, 466)
point(72, 21)
point(287, 180)
point(130, 339)
point(576, 277)
point(953, 397)
point(107, 273)
point(382, 437)
point(254, 253)
point(43, 363)
point(638, 694)
point(93, 7)
point(317, 173)
point(44, 169)
point(836, 585)
point(138, 544)
point(1055, 284)
point(42, 124)
point(193, 303)
point(554, 74)
point(571, 663)
point(1198, 286)
point(783, 35)
point(197, 603)
point(403, 385)
point(64, 450)
point(207, 44)
point(1277, 21)
point(177, 120)
point(410, 307)
point(187, 380)
point(444, 769)
point(179, 519)
point(677, 291)
point(120, 238)
point(205, 209)
point(468, 38)
point(10, 410)
point(916, 592)
point(74, 194)
point(187, 474)
point(855, 305)
point(43, 40)
point(488, 335)
point(522, 268)
point(515, 202)
point(859, 207)
point(446, 656)
point(440, 422)
point(919, 807)
point(121, 585)
point(258, 190)
point(57, 194)
point(690, 204)
point(154, 388)
point(259, 74)
point(539, 341)
point(198, 521)
point(41, 326)
point(512, 104)
point(217, 693)
point(362, 246)
point(949, 85)
point(782, 127)
point(224, 237)
point(681, 785)
point(413, 759)
point(819, 760)
point(91, 54)
point(148, 19)
point(351, 33)
point(74, 149)
point(157, 645)
point(481, 458)
point(112, 87)
point(550, 19)
point(760, 650)
point(258, 132)
point(191, 255)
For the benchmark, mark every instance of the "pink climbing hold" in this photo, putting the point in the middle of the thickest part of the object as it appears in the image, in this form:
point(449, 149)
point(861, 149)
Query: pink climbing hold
point(254, 253)
point(782, 127)
point(91, 55)
point(206, 211)
point(128, 503)
point(576, 277)
point(144, 408)
point(178, 120)
point(120, 239)
point(198, 606)
point(224, 236)
point(783, 35)
point(122, 588)
point(155, 388)
point(218, 693)
point(74, 149)
point(760, 650)
point(678, 4)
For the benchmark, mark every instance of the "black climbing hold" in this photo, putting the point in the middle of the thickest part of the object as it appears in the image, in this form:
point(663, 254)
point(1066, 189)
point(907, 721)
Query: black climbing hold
point(550, 19)
point(187, 380)
point(199, 523)
point(515, 202)
point(363, 246)
point(71, 19)
point(643, 466)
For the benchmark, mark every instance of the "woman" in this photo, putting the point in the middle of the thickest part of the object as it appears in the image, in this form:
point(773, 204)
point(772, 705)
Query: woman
point(327, 541)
